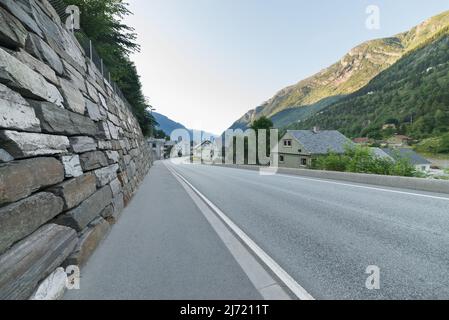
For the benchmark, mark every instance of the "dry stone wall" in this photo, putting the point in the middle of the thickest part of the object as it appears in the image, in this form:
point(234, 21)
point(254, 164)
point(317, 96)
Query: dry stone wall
point(71, 152)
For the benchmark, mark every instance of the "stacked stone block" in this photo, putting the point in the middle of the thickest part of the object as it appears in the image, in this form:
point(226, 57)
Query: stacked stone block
point(71, 152)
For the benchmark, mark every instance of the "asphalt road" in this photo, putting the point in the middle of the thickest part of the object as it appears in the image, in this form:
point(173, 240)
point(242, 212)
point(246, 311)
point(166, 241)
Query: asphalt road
point(325, 234)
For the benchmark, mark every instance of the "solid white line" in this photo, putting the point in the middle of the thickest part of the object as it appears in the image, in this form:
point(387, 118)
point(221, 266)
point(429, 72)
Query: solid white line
point(264, 283)
point(282, 275)
point(365, 187)
point(343, 184)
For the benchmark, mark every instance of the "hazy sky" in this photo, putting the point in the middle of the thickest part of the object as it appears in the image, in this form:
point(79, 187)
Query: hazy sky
point(204, 63)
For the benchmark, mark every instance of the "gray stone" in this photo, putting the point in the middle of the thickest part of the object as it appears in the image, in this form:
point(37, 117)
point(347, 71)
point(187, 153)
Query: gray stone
point(113, 131)
point(19, 179)
point(23, 14)
point(113, 156)
point(93, 110)
point(37, 65)
point(116, 187)
point(104, 145)
point(119, 205)
point(83, 144)
point(103, 130)
point(75, 191)
point(74, 99)
point(93, 93)
point(106, 175)
point(85, 213)
point(52, 288)
point(42, 51)
point(56, 120)
point(116, 121)
point(61, 40)
point(12, 33)
point(22, 218)
point(33, 259)
point(93, 160)
point(5, 156)
point(103, 101)
point(89, 241)
point(49, 10)
point(25, 145)
point(23, 79)
point(108, 213)
point(72, 166)
point(16, 113)
point(76, 77)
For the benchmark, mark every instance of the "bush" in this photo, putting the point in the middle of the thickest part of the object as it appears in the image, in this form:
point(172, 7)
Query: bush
point(362, 160)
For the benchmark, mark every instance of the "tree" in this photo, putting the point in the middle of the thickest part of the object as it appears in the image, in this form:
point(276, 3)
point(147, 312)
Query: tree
point(102, 22)
point(263, 123)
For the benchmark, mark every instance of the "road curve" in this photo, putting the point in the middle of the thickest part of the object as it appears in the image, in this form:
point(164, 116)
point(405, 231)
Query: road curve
point(325, 235)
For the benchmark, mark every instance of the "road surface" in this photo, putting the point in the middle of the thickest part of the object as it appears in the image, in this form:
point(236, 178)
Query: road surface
point(323, 233)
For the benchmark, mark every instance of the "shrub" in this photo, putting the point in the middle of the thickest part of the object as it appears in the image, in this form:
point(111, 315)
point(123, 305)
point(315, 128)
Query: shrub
point(362, 160)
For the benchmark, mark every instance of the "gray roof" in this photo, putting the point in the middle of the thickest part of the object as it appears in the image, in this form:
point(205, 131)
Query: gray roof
point(378, 152)
point(321, 142)
point(415, 159)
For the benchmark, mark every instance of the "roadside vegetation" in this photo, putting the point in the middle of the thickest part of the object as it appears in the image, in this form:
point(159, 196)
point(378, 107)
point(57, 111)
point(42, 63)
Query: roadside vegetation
point(411, 97)
point(362, 160)
point(102, 22)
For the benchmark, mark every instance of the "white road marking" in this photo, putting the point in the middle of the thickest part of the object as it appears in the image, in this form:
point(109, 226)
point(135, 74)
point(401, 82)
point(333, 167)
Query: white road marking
point(281, 274)
point(365, 187)
point(343, 184)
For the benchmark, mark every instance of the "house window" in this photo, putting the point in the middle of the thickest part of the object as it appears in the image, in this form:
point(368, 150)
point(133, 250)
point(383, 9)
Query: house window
point(281, 158)
point(303, 161)
point(287, 143)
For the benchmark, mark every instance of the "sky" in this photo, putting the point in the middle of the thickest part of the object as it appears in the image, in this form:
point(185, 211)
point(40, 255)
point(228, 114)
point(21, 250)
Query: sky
point(205, 63)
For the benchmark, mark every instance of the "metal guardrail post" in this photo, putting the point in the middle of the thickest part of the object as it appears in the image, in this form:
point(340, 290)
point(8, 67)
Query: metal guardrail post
point(90, 49)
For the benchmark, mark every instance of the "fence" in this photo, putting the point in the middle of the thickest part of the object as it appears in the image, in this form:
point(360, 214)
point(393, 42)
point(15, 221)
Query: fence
point(60, 7)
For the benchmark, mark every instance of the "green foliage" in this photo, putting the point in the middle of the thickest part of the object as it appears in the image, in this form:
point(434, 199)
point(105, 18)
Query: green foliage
point(362, 160)
point(434, 145)
point(262, 123)
point(102, 21)
point(412, 94)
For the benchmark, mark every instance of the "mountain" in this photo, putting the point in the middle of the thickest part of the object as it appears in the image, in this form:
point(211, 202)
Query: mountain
point(412, 94)
point(353, 72)
point(168, 126)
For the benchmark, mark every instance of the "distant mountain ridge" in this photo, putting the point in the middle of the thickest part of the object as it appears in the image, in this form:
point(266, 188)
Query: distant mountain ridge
point(168, 126)
point(353, 72)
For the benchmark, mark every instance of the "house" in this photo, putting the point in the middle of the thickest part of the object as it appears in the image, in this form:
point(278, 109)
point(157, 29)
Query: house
point(399, 141)
point(379, 153)
point(415, 159)
point(161, 148)
point(157, 146)
point(299, 148)
point(205, 151)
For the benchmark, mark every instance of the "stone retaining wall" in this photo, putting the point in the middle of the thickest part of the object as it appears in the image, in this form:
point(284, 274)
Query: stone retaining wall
point(71, 152)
